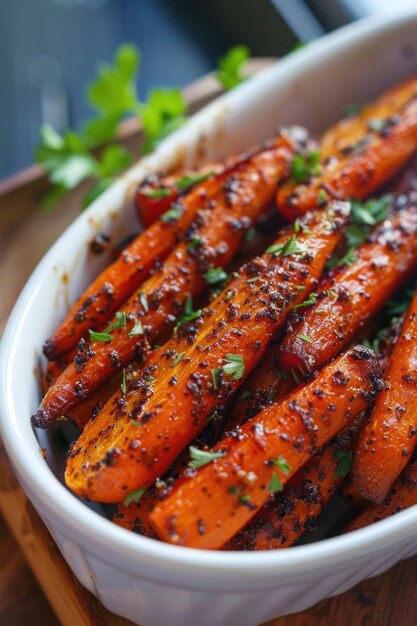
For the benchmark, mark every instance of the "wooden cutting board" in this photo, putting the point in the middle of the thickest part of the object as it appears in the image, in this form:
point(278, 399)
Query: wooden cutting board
point(388, 600)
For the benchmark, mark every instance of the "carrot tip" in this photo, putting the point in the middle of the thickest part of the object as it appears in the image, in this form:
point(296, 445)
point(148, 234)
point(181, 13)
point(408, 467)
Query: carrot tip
point(39, 420)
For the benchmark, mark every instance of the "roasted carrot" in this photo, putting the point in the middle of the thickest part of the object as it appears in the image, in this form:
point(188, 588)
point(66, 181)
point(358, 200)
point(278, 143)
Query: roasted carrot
point(389, 436)
point(211, 243)
point(353, 295)
point(207, 510)
point(287, 515)
point(155, 194)
point(118, 281)
point(137, 436)
point(89, 407)
point(358, 155)
point(402, 495)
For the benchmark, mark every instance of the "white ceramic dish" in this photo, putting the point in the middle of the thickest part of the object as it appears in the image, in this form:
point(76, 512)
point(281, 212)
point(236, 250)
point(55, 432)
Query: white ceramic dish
point(151, 583)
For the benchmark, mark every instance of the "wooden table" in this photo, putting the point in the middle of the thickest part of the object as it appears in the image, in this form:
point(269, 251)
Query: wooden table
point(388, 600)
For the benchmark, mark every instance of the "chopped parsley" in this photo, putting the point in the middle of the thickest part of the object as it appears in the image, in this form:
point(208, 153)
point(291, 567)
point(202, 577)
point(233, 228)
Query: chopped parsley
point(344, 463)
point(230, 72)
point(199, 458)
point(304, 167)
point(105, 335)
point(216, 276)
point(188, 314)
point(282, 464)
point(304, 338)
point(160, 192)
point(144, 301)
point(286, 249)
point(189, 180)
point(312, 299)
point(137, 329)
point(124, 383)
point(275, 484)
point(250, 235)
point(134, 496)
point(173, 214)
point(178, 359)
point(234, 367)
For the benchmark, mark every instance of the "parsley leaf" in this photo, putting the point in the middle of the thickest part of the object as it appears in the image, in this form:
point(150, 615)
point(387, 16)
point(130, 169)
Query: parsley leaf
point(344, 464)
point(275, 484)
point(161, 114)
point(234, 367)
point(134, 496)
point(159, 192)
point(137, 329)
point(282, 464)
point(189, 180)
point(286, 249)
point(178, 359)
point(199, 458)
point(312, 299)
point(231, 66)
point(304, 167)
point(172, 214)
point(105, 335)
point(188, 314)
point(216, 276)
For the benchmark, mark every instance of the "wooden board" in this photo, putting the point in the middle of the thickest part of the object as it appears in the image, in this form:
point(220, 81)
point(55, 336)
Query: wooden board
point(388, 600)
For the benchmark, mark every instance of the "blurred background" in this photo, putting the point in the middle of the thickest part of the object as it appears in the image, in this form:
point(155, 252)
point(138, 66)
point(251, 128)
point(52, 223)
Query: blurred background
point(50, 49)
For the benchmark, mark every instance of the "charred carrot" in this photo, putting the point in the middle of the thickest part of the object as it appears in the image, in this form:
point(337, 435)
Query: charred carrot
point(353, 295)
point(358, 155)
point(287, 515)
point(90, 407)
point(155, 194)
point(137, 436)
point(402, 495)
point(209, 246)
point(118, 281)
point(389, 437)
point(207, 510)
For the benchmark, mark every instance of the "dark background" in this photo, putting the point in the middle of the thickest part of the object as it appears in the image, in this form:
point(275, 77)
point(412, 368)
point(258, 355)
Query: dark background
point(49, 50)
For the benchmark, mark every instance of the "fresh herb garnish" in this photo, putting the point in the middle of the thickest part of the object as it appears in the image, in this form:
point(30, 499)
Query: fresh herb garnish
point(215, 376)
point(250, 235)
point(216, 276)
point(187, 181)
point(304, 337)
point(144, 301)
point(312, 299)
point(159, 192)
point(275, 484)
point(200, 458)
point(230, 72)
point(344, 464)
point(137, 329)
point(124, 383)
point(178, 359)
point(234, 367)
point(282, 464)
point(173, 214)
point(134, 496)
point(286, 249)
point(194, 243)
point(304, 167)
point(188, 314)
point(376, 124)
point(105, 335)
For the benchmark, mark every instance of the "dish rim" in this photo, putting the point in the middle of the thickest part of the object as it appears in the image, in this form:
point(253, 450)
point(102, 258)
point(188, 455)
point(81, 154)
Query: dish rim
point(100, 535)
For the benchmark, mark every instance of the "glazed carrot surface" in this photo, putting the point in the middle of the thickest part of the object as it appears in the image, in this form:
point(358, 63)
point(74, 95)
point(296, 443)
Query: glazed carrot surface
point(211, 242)
point(205, 511)
point(359, 154)
point(155, 194)
point(389, 436)
point(287, 515)
point(210, 369)
point(402, 495)
point(117, 282)
point(195, 373)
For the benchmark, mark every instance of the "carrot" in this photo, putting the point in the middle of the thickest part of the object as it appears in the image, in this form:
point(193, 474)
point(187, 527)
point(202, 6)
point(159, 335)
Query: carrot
point(207, 510)
point(389, 436)
point(287, 515)
point(402, 495)
point(352, 295)
point(358, 155)
point(118, 281)
point(211, 243)
point(137, 435)
point(89, 408)
point(155, 194)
